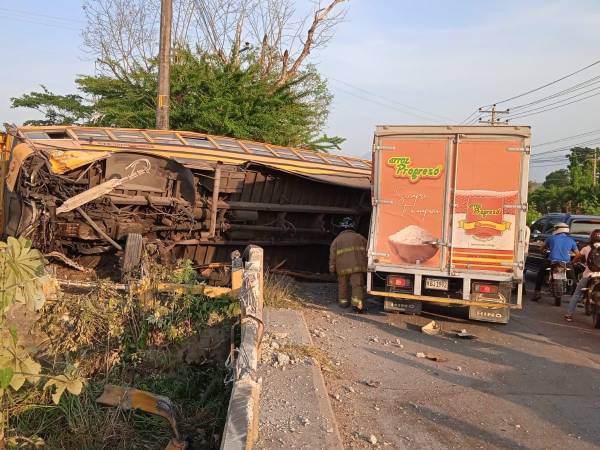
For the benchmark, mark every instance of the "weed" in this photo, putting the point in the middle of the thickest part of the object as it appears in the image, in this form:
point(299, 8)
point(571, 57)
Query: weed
point(129, 341)
point(308, 351)
point(280, 291)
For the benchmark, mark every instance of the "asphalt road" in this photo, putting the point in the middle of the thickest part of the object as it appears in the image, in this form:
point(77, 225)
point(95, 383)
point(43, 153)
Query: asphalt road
point(531, 384)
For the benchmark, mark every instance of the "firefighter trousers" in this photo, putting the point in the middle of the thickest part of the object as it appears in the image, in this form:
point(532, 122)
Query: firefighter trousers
point(351, 289)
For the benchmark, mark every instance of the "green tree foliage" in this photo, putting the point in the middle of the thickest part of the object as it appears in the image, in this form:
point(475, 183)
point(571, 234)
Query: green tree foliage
point(569, 190)
point(558, 178)
point(207, 95)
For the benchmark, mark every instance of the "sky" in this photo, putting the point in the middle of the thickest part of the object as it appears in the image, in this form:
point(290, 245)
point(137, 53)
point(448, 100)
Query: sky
point(390, 62)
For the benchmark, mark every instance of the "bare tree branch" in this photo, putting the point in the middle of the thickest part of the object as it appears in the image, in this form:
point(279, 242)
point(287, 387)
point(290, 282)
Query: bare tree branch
point(122, 35)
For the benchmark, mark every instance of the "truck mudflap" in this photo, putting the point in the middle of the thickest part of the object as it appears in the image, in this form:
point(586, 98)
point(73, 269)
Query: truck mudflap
point(496, 314)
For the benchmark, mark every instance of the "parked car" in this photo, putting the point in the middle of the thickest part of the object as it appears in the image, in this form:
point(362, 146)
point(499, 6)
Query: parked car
point(581, 226)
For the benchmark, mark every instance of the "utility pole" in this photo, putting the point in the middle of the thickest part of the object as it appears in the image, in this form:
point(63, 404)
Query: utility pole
point(494, 112)
point(164, 67)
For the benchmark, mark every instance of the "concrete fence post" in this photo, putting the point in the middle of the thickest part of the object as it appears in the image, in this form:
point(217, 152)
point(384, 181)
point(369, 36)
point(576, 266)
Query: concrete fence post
point(241, 427)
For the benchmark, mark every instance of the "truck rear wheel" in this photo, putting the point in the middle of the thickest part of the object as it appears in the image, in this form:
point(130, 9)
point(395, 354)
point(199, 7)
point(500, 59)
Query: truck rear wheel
point(133, 253)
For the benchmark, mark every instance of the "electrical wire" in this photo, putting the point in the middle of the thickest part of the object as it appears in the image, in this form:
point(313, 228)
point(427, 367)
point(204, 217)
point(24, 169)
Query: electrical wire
point(531, 91)
point(436, 117)
point(377, 102)
point(553, 108)
point(567, 138)
point(574, 88)
point(31, 13)
point(554, 103)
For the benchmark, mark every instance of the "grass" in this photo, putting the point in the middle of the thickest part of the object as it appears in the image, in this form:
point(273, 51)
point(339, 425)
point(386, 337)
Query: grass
point(280, 291)
point(308, 351)
point(119, 339)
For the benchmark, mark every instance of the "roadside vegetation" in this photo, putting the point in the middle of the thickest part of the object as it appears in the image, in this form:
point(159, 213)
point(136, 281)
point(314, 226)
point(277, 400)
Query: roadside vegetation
point(280, 291)
point(173, 345)
point(574, 189)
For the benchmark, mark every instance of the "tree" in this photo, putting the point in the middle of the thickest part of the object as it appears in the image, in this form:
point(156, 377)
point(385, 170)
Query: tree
point(122, 34)
point(263, 91)
point(558, 178)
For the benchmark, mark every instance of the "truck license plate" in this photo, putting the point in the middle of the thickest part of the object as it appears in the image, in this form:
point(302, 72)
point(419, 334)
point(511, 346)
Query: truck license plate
point(439, 284)
point(560, 275)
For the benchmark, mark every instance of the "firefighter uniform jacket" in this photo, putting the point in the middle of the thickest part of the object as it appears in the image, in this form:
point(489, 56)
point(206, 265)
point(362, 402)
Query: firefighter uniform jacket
point(348, 253)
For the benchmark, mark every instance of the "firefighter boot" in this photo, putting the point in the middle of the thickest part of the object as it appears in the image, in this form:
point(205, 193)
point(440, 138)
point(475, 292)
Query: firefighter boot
point(357, 303)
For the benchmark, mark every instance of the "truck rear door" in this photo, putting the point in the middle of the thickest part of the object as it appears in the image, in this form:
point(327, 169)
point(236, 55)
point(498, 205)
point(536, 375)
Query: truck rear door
point(410, 202)
point(487, 206)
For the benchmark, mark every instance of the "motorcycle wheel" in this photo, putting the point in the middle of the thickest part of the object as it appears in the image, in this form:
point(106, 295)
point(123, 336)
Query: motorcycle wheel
point(558, 289)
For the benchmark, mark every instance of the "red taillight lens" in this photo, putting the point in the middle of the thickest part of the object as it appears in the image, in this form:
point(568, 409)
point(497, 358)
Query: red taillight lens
point(485, 288)
point(398, 281)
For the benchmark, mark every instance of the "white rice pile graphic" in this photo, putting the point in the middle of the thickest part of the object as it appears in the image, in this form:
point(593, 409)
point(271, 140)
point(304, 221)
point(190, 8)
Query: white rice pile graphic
point(412, 234)
point(412, 244)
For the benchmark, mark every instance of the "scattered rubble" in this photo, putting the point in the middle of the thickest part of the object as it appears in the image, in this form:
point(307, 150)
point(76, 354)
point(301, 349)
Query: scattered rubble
point(432, 328)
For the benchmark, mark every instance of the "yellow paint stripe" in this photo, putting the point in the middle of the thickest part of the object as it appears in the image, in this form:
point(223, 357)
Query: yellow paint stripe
point(492, 260)
point(446, 301)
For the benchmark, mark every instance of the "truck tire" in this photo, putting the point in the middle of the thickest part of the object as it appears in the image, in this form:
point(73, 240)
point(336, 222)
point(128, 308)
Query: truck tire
point(133, 253)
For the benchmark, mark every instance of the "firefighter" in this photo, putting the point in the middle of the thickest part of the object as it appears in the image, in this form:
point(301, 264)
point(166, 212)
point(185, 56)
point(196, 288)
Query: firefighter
point(348, 258)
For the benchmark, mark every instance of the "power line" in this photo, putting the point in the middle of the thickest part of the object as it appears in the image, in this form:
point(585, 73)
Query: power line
point(377, 102)
point(517, 116)
point(9, 17)
point(567, 138)
point(531, 91)
point(554, 103)
point(392, 102)
point(45, 16)
point(577, 87)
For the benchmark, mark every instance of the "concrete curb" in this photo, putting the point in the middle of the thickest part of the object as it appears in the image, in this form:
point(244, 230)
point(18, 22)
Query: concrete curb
point(334, 440)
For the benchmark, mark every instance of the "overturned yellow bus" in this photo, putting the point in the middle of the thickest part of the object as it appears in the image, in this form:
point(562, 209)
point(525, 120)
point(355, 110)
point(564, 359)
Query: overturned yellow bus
point(87, 192)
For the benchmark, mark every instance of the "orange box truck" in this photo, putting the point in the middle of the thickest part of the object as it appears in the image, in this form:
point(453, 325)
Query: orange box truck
point(449, 212)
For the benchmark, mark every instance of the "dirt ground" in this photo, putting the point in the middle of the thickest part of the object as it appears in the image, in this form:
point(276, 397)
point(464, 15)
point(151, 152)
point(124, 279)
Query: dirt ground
point(531, 384)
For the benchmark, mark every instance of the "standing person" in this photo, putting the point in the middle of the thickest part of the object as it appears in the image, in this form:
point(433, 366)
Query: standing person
point(583, 255)
point(560, 245)
point(348, 259)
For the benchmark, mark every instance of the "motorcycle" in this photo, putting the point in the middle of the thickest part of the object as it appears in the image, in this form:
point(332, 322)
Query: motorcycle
point(557, 280)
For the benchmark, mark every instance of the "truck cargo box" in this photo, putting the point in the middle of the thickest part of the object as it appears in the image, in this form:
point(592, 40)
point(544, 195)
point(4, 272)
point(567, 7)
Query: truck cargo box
point(449, 211)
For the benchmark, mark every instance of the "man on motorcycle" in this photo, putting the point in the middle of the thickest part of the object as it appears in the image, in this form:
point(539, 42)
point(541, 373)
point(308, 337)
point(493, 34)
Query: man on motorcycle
point(560, 246)
point(582, 256)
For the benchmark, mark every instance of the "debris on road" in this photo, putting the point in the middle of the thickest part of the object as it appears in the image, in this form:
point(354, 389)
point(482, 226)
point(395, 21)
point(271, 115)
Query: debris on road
point(373, 439)
point(432, 328)
point(464, 334)
point(372, 383)
point(431, 357)
point(135, 399)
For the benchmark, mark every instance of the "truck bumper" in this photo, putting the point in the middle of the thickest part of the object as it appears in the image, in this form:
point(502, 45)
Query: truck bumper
point(445, 301)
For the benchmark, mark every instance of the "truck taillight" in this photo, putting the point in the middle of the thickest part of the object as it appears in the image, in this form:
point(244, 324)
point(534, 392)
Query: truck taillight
point(399, 281)
point(483, 288)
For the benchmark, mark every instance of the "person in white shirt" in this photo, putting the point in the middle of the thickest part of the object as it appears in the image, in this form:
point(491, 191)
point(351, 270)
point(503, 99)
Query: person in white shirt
point(578, 294)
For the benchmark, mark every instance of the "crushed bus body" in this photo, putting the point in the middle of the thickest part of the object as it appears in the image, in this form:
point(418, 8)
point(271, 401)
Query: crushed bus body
point(449, 216)
point(85, 192)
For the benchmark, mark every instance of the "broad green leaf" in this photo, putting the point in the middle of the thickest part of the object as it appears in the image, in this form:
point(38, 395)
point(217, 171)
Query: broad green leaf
point(21, 274)
point(6, 374)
